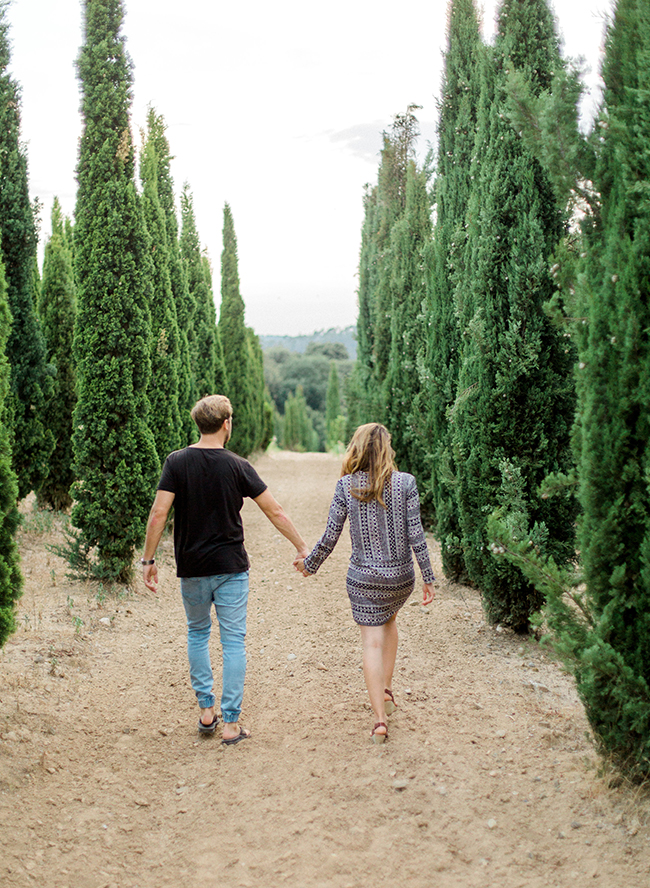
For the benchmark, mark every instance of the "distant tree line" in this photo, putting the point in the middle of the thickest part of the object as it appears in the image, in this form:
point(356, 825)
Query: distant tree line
point(311, 387)
point(102, 359)
point(504, 295)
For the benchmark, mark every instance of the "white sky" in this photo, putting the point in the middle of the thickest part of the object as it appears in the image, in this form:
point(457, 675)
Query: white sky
point(276, 108)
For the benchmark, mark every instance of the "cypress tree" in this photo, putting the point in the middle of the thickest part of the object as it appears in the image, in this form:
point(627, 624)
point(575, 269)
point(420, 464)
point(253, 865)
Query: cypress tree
point(235, 344)
point(165, 358)
point(261, 407)
point(178, 280)
point(333, 407)
point(10, 577)
point(384, 205)
point(410, 237)
point(457, 136)
point(31, 377)
point(613, 421)
point(360, 386)
point(205, 349)
point(514, 404)
point(114, 451)
point(57, 310)
point(298, 429)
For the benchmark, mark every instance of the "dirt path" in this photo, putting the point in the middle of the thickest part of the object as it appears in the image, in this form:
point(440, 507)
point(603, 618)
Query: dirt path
point(487, 778)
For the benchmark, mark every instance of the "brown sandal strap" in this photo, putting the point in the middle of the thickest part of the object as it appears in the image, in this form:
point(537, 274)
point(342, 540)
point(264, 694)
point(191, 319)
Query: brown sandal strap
point(390, 694)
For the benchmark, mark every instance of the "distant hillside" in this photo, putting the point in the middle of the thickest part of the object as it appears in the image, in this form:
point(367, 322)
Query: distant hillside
point(345, 335)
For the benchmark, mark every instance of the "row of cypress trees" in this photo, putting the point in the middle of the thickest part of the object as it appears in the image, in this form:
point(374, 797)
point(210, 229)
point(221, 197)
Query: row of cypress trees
point(102, 360)
point(506, 346)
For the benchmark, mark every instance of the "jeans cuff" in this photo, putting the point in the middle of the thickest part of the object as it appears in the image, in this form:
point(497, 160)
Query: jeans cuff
point(206, 702)
point(230, 717)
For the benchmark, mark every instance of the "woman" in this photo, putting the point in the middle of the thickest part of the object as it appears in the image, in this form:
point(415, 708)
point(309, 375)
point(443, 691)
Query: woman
point(384, 511)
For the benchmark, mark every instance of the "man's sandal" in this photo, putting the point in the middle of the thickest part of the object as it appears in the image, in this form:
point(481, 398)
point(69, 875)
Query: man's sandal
point(379, 738)
point(389, 705)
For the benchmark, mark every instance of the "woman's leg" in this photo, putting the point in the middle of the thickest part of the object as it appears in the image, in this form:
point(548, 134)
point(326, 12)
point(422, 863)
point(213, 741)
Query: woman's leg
point(373, 642)
point(390, 651)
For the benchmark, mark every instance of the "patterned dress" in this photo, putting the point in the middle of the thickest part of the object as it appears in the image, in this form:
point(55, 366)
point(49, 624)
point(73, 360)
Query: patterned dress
point(381, 575)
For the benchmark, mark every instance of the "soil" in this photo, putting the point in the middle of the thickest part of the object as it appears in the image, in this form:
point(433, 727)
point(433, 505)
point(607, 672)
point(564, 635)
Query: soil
point(488, 776)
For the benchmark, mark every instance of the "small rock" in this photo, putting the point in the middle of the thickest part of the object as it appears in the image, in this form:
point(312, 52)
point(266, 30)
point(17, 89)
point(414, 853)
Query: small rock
point(561, 835)
point(501, 734)
point(322, 667)
point(291, 656)
point(400, 784)
point(105, 621)
point(476, 706)
point(491, 824)
point(142, 803)
point(442, 790)
point(576, 825)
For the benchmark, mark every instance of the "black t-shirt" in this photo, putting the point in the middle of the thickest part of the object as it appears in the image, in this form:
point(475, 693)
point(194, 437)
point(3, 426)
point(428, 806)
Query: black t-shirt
point(209, 487)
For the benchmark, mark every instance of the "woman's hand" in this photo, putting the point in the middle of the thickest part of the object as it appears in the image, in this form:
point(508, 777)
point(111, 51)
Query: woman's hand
point(428, 593)
point(299, 564)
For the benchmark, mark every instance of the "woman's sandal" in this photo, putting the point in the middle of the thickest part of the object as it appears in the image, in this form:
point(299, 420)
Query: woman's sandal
point(389, 705)
point(379, 738)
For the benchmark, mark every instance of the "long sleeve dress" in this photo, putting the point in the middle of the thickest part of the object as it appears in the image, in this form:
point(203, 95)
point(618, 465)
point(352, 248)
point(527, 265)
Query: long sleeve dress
point(381, 575)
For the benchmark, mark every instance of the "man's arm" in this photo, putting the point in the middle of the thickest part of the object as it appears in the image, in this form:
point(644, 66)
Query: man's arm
point(281, 521)
point(155, 526)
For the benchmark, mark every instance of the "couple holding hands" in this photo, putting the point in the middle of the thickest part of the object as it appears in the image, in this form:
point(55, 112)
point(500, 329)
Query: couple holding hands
point(206, 485)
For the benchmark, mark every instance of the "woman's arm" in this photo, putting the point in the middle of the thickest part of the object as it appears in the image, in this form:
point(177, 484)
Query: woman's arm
point(335, 521)
point(417, 540)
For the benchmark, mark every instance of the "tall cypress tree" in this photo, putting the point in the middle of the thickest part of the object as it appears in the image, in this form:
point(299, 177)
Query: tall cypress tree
point(261, 407)
point(514, 405)
point(10, 577)
point(443, 263)
point(410, 238)
point(31, 378)
point(613, 427)
point(114, 451)
point(205, 350)
point(57, 310)
point(165, 359)
point(183, 303)
point(232, 332)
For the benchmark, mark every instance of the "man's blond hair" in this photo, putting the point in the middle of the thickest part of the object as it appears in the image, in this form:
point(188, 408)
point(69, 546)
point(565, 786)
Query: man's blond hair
point(211, 412)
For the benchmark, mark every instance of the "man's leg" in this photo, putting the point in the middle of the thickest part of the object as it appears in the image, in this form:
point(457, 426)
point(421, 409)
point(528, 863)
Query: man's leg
point(197, 595)
point(231, 600)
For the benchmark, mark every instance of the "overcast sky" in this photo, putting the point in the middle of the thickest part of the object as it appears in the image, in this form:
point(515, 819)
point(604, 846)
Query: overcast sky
point(276, 108)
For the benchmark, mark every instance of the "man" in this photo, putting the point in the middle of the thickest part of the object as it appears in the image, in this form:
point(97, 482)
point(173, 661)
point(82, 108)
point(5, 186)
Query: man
point(207, 484)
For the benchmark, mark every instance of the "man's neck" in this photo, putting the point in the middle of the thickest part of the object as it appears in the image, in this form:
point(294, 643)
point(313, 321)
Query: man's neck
point(212, 442)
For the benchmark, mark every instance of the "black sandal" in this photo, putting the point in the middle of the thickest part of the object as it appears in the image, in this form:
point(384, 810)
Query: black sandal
point(209, 729)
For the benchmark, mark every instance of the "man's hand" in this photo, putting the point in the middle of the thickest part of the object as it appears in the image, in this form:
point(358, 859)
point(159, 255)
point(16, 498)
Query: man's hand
point(150, 576)
point(428, 593)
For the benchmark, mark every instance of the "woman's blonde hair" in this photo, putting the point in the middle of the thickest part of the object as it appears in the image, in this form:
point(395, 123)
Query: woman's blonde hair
point(370, 451)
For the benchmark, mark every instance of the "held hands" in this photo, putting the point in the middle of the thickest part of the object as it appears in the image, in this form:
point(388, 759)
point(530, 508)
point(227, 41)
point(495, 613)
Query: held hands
point(299, 563)
point(428, 593)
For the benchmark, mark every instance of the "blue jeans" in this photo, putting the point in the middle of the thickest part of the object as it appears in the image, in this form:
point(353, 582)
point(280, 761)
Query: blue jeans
point(229, 594)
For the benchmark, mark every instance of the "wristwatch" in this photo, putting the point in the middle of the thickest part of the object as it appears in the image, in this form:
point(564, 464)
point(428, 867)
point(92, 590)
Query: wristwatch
point(151, 561)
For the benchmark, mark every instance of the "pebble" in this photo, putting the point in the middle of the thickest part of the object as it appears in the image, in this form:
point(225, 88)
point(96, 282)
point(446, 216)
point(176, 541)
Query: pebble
point(105, 621)
point(398, 785)
point(491, 824)
point(576, 825)
point(291, 656)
